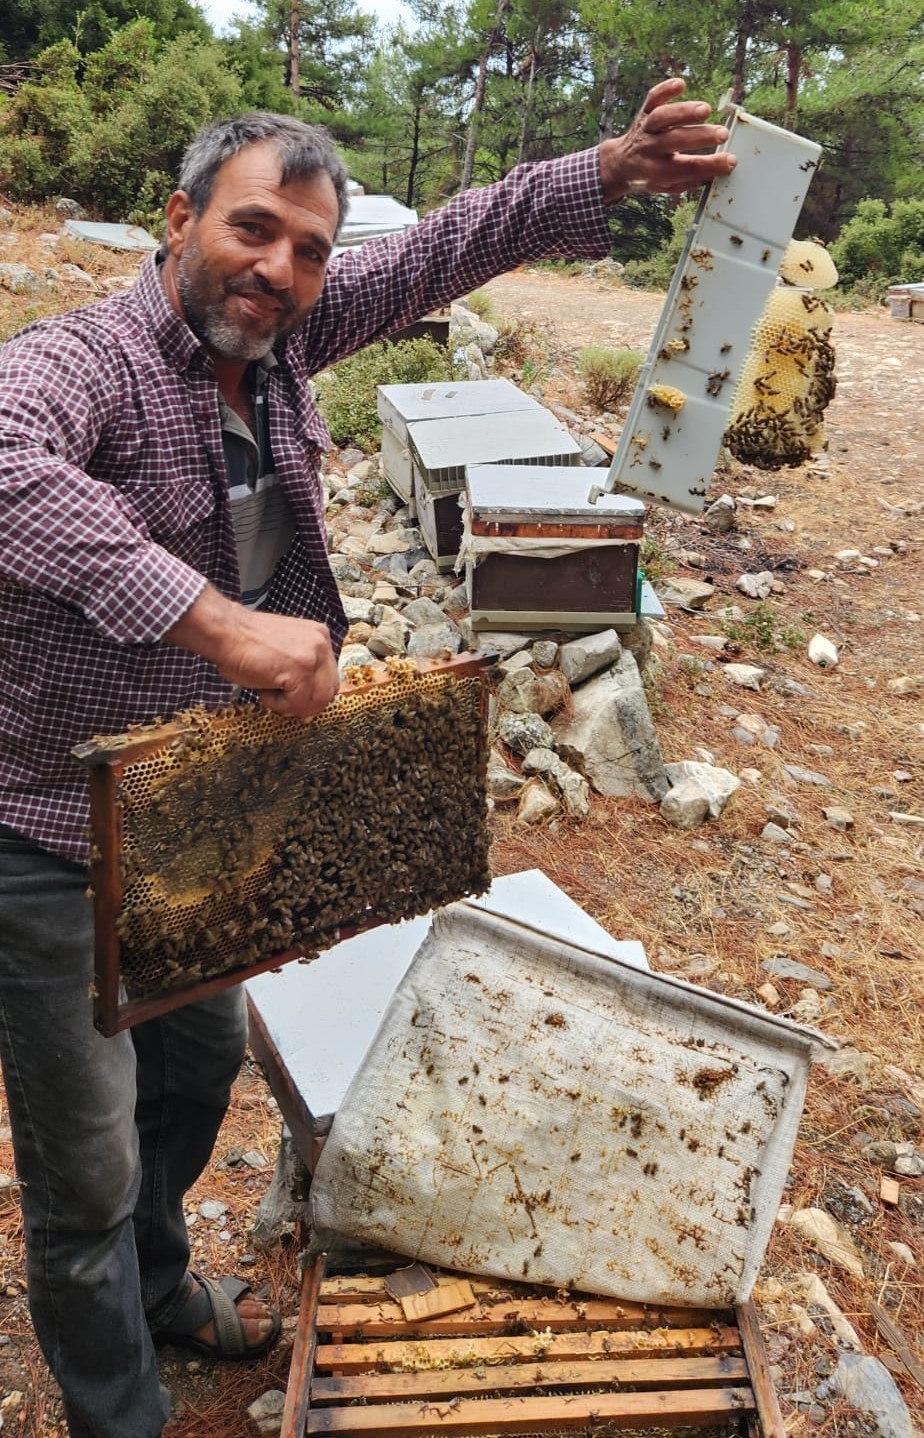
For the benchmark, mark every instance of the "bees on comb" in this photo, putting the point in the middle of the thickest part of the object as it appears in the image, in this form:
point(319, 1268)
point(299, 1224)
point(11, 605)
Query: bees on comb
point(787, 380)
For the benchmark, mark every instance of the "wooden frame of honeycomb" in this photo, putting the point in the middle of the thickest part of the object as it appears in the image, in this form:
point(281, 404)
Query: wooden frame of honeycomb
point(223, 844)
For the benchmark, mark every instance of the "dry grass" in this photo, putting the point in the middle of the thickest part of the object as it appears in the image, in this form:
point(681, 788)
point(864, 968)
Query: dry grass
point(705, 904)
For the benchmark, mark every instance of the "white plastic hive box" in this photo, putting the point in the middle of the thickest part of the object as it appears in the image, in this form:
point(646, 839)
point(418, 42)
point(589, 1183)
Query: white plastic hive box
point(679, 411)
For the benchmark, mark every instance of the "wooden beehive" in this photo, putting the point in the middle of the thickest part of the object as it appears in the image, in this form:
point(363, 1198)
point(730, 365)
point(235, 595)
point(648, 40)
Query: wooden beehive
point(520, 1361)
point(539, 555)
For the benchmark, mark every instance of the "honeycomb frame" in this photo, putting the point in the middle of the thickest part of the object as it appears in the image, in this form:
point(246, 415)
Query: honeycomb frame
point(226, 843)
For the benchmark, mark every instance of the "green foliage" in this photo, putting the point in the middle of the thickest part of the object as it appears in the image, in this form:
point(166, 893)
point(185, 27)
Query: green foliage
point(347, 392)
point(481, 304)
point(32, 26)
point(113, 137)
point(762, 630)
point(881, 245)
point(608, 376)
point(656, 272)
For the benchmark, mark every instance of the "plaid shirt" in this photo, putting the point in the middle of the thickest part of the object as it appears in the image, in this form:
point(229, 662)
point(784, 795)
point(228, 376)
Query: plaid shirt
point(113, 490)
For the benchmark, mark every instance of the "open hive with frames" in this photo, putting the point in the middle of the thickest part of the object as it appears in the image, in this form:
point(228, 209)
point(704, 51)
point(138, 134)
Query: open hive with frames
point(226, 843)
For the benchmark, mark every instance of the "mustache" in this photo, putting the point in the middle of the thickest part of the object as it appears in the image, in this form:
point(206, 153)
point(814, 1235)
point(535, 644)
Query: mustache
point(259, 286)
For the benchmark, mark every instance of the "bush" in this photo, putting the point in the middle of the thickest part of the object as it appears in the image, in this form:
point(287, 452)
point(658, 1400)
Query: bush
point(877, 248)
point(480, 304)
point(608, 376)
point(347, 392)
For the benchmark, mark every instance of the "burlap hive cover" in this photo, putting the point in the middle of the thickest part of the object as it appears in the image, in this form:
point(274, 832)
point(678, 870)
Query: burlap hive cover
point(535, 1111)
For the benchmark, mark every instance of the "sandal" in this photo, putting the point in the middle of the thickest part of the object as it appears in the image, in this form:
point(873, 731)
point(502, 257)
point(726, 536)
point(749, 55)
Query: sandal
point(214, 1301)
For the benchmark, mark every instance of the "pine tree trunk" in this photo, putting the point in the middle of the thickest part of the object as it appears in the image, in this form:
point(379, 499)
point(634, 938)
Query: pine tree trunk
point(608, 107)
point(293, 49)
point(474, 120)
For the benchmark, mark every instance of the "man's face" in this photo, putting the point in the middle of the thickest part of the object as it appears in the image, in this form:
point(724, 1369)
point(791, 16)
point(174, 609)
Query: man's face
point(250, 267)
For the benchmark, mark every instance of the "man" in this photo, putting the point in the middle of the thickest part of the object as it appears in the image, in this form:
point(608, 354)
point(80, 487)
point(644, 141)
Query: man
point(162, 542)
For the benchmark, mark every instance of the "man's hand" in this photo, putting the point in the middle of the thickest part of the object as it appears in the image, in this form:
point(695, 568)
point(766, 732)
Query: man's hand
point(289, 662)
point(658, 154)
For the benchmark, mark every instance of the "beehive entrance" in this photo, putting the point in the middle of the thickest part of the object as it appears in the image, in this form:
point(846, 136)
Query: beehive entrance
point(245, 836)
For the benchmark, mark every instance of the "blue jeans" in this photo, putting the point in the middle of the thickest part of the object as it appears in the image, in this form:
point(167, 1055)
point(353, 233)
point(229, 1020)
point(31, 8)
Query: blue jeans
point(108, 1136)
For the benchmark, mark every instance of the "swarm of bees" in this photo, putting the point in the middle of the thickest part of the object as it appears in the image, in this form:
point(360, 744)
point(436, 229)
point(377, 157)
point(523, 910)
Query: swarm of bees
point(252, 835)
point(787, 381)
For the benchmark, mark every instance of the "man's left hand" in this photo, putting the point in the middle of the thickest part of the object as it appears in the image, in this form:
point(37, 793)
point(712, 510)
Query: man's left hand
point(666, 150)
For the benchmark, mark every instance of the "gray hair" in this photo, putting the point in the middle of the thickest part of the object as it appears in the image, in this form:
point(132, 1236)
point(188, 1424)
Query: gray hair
point(303, 151)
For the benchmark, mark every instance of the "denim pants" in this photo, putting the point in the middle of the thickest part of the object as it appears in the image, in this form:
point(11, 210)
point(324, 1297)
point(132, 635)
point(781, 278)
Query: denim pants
point(108, 1135)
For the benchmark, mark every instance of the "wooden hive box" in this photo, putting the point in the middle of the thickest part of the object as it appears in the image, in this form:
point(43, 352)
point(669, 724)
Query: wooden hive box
point(520, 1360)
point(539, 555)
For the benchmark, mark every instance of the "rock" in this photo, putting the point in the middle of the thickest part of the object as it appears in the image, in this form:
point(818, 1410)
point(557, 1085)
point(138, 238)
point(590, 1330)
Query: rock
point(720, 516)
point(639, 640)
point(431, 641)
point(353, 654)
point(838, 818)
point(908, 821)
point(773, 834)
point(358, 611)
point(503, 643)
point(390, 541)
point(714, 642)
point(850, 1063)
point(808, 1008)
point(545, 652)
point(779, 966)
point(717, 785)
point(822, 652)
point(848, 1204)
point(6, 216)
point(824, 1234)
point(587, 655)
point(69, 209)
point(902, 1252)
point(537, 804)
point(524, 692)
point(522, 732)
point(20, 280)
point(769, 995)
point(756, 727)
point(503, 783)
point(390, 637)
point(265, 1414)
point(212, 1208)
point(521, 660)
point(756, 586)
point(423, 611)
point(904, 684)
point(609, 736)
point(806, 776)
point(685, 593)
point(745, 676)
point(866, 1384)
point(685, 806)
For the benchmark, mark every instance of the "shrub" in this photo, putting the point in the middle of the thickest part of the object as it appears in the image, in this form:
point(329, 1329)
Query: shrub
point(480, 304)
point(877, 247)
point(347, 392)
point(608, 376)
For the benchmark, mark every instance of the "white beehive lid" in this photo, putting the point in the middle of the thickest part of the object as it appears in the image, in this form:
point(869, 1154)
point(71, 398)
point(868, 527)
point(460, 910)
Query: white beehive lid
point(543, 493)
point(401, 404)
point(443, 448)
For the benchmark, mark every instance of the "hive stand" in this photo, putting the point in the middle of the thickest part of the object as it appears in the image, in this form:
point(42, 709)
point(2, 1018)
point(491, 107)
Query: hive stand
point(523, 1360)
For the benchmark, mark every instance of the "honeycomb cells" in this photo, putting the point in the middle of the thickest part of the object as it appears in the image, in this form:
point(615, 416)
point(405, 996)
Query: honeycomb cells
point(253, 835)
point(786, 382)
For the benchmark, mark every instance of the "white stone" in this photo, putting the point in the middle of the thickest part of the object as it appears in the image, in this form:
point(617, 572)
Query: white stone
point(353, 654)
point(717, 785)
point(685, 806)
point(537, 804)
point(580, 658)
point(755, 586)
point(745, 676)
point(822, 651)
point(838, 818)
point(905, 684)
point(609, 736)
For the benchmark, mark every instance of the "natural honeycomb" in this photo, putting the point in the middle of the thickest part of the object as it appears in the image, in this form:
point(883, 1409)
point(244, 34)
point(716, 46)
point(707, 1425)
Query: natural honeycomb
point(248, 835)
point(786, 383)
point(808, 264)
point(667, 395)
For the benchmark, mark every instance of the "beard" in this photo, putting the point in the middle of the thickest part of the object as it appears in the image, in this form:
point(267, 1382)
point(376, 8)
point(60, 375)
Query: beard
point(206, 294)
